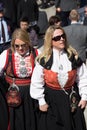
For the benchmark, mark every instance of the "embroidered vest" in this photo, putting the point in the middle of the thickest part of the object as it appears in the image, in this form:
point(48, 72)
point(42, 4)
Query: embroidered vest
point(19, 67)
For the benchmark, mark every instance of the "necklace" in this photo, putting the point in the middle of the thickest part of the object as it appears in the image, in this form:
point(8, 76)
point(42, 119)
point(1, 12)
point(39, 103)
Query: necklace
point(23, 69)
point(22, 62)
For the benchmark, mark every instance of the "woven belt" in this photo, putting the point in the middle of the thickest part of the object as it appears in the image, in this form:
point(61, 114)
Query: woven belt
point(18, 81)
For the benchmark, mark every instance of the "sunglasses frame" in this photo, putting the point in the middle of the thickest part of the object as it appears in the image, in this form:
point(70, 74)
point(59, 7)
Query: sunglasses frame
point(18, 46)
point(57, 38)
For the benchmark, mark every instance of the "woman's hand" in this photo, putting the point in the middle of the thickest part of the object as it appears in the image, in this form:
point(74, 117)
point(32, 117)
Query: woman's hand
point(82, 104)
point(44, 107)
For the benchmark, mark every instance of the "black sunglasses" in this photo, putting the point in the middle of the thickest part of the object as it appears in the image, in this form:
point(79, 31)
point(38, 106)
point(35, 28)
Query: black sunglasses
point(22, 46)
point(57, 38)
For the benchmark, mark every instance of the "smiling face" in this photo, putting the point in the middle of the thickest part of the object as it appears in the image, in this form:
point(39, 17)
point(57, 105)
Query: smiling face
point(21, 47)
point(20, 42)
point(58, 40)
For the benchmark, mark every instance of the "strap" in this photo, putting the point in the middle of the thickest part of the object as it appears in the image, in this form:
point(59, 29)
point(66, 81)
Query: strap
point(35, 52)
point(9, 58)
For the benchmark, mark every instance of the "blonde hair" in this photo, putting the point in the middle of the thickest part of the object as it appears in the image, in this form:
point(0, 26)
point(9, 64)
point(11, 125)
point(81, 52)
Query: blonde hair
point(47, 50)
point(74, 15)
point(22, 35)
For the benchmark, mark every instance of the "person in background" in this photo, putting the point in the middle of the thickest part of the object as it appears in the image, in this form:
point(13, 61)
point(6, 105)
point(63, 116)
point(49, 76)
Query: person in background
point(85, 16)
point(18, 65)
point(10, 7)
point(24, 24)
point(77, 34)
point(5, 30)
point(61, 84)
point(63, 8)
point(54, 20)
point(29, 9)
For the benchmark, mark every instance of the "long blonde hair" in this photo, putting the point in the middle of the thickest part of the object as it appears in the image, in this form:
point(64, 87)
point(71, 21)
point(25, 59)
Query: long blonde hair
point(47, 49)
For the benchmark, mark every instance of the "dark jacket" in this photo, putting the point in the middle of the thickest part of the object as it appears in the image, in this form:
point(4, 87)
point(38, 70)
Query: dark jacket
point(27, 8)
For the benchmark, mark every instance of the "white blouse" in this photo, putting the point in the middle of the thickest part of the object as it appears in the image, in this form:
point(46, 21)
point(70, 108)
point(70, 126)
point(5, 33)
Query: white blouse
point(61, 65)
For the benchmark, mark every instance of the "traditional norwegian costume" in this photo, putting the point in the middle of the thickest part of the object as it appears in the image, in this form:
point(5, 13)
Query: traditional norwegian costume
point(18, 75)
point(55, 83)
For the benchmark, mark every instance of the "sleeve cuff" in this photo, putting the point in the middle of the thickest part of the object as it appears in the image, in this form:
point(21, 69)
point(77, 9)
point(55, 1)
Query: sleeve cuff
point(84, 97)
point(42, 101)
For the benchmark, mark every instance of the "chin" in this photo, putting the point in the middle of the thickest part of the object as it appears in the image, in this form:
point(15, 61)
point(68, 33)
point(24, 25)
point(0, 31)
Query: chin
point(22, 53)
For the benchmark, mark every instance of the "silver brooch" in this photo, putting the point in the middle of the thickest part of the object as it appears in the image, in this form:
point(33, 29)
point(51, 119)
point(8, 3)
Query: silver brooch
point(23, 71)
point(61, 67)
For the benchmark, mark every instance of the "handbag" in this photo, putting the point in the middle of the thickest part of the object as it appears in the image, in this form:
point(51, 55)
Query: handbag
point(73, 100)
point(13, 96)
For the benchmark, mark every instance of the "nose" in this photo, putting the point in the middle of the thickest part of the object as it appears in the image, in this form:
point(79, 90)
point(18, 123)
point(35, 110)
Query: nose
point(61, 38)
point(20, 47)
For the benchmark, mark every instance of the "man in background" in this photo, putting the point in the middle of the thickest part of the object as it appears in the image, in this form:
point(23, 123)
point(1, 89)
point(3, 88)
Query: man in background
point(5, 30)
point(77, 34)
point(63, 8)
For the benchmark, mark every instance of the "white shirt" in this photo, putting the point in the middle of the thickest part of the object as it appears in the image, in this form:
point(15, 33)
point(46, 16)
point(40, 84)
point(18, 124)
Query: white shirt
point(37, 81)
point(6, 32)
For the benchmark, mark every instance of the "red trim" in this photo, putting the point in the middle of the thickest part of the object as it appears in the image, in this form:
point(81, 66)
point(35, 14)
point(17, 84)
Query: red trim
point(9, 122)
point(13, 62)
point(9, 125)
point(32, 60)
point(59, 88)
point(17, 81)
point(36, 51)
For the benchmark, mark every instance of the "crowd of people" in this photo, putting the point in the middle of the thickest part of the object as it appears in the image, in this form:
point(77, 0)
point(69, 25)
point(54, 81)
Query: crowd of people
point(43, 90)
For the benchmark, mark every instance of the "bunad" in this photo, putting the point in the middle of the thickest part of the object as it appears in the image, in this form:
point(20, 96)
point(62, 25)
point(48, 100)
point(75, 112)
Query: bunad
point(18, 72)
point(56, 81)
point(3, 107)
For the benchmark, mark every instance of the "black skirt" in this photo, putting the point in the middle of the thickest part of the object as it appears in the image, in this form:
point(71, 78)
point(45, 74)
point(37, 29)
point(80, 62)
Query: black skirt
point(3, 106)
point(59, 115)
point(23, 117)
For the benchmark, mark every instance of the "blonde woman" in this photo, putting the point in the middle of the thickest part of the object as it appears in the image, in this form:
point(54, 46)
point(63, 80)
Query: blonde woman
point(18, 62)
point(61, 84)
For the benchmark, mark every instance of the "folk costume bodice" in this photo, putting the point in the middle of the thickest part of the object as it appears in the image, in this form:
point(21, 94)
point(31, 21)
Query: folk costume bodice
point(59, 80)
point(20, 67)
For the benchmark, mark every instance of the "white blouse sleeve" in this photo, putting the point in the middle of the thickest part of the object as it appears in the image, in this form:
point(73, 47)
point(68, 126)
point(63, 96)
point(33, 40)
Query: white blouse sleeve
point(82, 81)
point(2, 60)
point(37, 84)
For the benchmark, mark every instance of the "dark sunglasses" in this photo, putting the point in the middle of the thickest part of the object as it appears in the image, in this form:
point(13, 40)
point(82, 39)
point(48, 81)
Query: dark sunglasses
point(57, 38)
point(18, 46)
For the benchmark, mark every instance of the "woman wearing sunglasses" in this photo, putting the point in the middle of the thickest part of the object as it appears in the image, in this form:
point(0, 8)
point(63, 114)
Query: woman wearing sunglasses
point(18, 62)
point(61, 84)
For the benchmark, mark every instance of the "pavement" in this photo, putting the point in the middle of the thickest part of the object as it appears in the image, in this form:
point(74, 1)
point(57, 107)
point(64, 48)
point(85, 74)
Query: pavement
point(51, 11)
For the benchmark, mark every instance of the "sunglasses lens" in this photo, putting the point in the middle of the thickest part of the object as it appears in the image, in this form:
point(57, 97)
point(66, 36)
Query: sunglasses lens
point(57, 38)
point(17, 46)
point(63, 36)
